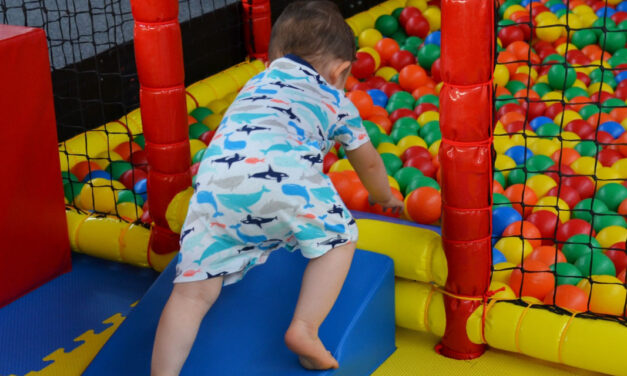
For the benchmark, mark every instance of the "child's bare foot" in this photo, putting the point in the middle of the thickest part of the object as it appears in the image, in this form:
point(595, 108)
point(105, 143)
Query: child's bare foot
point(303, 341)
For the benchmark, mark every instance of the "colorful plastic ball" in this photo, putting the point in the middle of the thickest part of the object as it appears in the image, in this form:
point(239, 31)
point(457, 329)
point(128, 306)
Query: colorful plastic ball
point(515, 249)
point(606, 219)
point(613, 39)
point(364, 66)
point(428, 54)
point(405, 175)
point(519, 153)
point(369, 38)
point(408, 13)
point(412, 77)
point(81, 169)
point(417, 26)
point(579, 245)
point(125, 149)
point(425, 165)
point(131, 177)
point(546, 222)
point(502, 271)
point(401, 59)
point(424, 205)
point(378, 97)
point(117, 168)
point(595, 263)
point(522, 197)
point(571, 228)
point(612, 194)
point(561, 78)
point(386, 47)
point(540, 184)
point(386, 24)
point(525, 230)
point(569, 297)
point(503, 217)
point(391, 162)
point(607, 294)
point(548, 30)
point(207, 137)
point(422, 181)
point(378, 209)
point(535, 279)
point(618, 255)
point(566, 274)
point(127, 195)
point(362, 101)
point(96, 174)
point(611, 235)
point(566, 193)
point(497, 257)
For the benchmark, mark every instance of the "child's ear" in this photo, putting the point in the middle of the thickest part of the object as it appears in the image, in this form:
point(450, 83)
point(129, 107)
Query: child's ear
point(338, 71)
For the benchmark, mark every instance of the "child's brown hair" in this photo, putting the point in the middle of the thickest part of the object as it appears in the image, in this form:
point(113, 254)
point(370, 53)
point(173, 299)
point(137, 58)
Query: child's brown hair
point(313, 30)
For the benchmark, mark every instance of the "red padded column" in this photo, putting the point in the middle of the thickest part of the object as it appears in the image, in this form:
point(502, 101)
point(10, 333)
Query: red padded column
point(33, 230)
point(466, 160)
point(159, 58)
point(257, 27)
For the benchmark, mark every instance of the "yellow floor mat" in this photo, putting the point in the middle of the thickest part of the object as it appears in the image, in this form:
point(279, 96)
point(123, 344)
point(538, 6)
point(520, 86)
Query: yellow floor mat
point(415, 356)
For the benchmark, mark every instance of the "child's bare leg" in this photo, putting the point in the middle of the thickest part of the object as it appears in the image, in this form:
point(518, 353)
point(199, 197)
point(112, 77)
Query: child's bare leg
point(322, 282)
point(178, 326)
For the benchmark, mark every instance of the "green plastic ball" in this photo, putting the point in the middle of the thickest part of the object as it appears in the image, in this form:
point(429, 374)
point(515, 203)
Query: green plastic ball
point(579, 245)
point(612, 194)
point(515, 86)
point(421, 181)
point(405, 175)
point(427, 55)
point(585, 37)
point(607, 218)
point(396, 13)
point(518, 175)
point(67, 177)
point(432, 137)
point(612, 40)
point(595, 263)
point(399, 36)
point(555, 58)
point(140, 140)
point(392, 163)
point(549, 130)
point(407, 122)
point(574, 91)
point(541, 88)
point(589, 110)
point(117, 168)
point(398, 133)
point(200, 113)
point(561, 78)
point(539, 163)
point(429, 98)
point(386, 24)
point(498, 176)
point(72, 189)
point(588, 148)
point(197, 129)
point(586, 207)
point(499, 200)
point(126, 195)
point(567, 274)
point(412, 44)
point(198, 156)
point(504, 99)
point(430, 127)
point(600, 23)
point(610, 104)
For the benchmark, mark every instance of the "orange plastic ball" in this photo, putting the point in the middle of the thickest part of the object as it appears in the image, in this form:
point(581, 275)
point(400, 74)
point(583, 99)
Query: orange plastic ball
point(567, 156)
point(378, 209)
point(508, 59)
point(500, 90)
point(511, 117)
point(424, 205)
point(497, 188)
point(81, 169)
point(577, 103)
point(527, 230)
point(519, 48)
point(412, 77)
point(350, 83)
point(359, 200)
point(382, 121)
point(125, 149)
point(622, 208)
point(362, 101)
point(534, 279)
point(546, 254)
point(568, 297)
point(521, 195)
point(378, 111)
point(387, 47)
point(422, 91)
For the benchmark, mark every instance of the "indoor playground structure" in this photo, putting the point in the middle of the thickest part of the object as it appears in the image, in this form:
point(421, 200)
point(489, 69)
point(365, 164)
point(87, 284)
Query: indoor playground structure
point(501, 125)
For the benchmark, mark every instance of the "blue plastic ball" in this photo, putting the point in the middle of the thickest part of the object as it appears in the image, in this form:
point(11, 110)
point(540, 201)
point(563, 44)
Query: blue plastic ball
point(141, 188)
point(433, 38)
point(519, 154)
point(502, 217)
point(378, 97)
point(96, 174)
point(557, 7)
point(524, 3)
point(612, 127)
point(622, 6)
point(621, 76)
point(538, 122)
point(605, 12)
point(497, 257)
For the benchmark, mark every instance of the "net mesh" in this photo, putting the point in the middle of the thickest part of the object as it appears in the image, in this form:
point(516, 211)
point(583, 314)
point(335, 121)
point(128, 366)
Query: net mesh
point(559, 229)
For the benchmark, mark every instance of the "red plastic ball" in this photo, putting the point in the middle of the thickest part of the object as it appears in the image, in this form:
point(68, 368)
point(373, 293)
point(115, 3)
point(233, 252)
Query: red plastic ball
point(207, 137)
point(376, 82)
point(425, 165)
point(402, 113)
point(581, 127)
point(417, 26)
point(390, 88)
point(401, 59)
point(436, 69)
point(424, 107)
point(362, 101)
point(362, 86)
point(618, 255)
point(534, 280)
point(359, 200)
point(125, 149)
point(553, 110)
point(510, 34)
point(328, 161)
point(139, 159)
point(546, 254)
point(408, 13)
point(608, 157)
point(81, 169)
point(378, 209)
point(415, 151)
point(546, 222)
point(534, 109)
point(424, 205)
point(566, 193)
point(132, 176)
point(364, 66)
point(568, 297)
point(510, 107)
point(582, 184)
point(573, 227)
point(583, 77)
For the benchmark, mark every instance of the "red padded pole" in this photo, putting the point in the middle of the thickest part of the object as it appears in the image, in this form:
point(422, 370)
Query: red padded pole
point(466, 160)
point(257, 27)
point(159, 59)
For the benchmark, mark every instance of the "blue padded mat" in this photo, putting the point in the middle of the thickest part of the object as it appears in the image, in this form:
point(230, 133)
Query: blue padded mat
point(243, 332)
point(51, 316)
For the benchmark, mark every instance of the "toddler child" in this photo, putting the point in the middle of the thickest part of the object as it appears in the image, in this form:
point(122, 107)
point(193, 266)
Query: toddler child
point(260, 187)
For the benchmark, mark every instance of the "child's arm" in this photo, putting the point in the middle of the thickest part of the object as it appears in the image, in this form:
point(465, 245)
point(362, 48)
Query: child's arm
point(371, 171)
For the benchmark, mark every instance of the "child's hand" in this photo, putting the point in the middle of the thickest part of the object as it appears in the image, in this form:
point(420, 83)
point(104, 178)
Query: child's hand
point(392, 203)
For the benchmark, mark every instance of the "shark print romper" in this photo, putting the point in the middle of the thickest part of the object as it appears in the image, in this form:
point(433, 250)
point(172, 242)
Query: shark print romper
point(260, 186)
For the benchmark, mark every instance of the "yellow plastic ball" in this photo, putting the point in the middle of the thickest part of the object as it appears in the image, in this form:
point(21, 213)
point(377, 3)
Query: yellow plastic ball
point(177, 209)
point(570, 139)
point(386, 73)
point(341, 165)
point(548, 30)
point(514, 249)
point(438, 87)
point(555, 205)
point(420, 4)
point(553, 96)
point(620, 166)
point(580, 84)
point(434, 17)
point(375, 55)
point(513, 9)
point(129, 211)
point(607, 294)
point(393, 183)
point(540, 184)
point(98, 195)
point(582, 9)
point(574, 22)
point(598, 86)
point(606, 175)
point(504, 164)
point(386, 147)
point(195, 146)
point(434, 148)
point(566, 117)
point(502, 271)
point(369, 38)
point(611, 235)
point(544, 79)
point(594, 64)
point(428, 116)
point(544, 147)
point(502, 143)
point(103, 159)
point(584, 165)
point(564, 47)
point(409, 141)
point(588, 19)
point(526, 69)
point(501, 75)
point(546, 17)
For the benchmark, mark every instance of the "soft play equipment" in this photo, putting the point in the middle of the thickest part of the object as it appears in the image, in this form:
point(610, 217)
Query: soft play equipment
point(243, 332)
point(35, 247)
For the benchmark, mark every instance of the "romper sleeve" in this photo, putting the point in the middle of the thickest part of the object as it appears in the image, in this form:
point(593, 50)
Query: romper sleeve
point(348, 129)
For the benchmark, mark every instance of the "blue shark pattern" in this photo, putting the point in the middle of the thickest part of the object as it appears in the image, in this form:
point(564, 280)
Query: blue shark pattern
point(238, 202)
point(297, 190)
point(260, 185)
point(206, 197)
point(324, 194)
